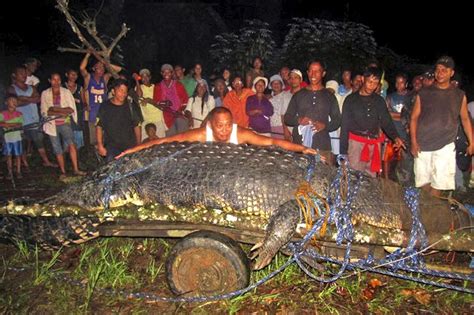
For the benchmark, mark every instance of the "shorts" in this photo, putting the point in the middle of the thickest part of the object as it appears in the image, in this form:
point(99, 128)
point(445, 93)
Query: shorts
point(64, 137)
point(36, 136)
point(92, 135)
point(78, 138)
point(437, 168)
point(13, 148)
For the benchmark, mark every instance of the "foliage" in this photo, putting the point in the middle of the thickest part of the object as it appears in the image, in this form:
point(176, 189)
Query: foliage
point(237, 50)
point(338, 44)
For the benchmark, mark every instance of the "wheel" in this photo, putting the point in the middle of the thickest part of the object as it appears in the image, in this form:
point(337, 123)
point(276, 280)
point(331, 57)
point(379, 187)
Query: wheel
point(206, 263)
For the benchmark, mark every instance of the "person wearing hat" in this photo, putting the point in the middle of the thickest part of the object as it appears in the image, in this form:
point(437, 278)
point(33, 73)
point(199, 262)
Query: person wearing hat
point(174, 93)
point(333, 87)
point(433, 128)
point(310, 110)
point(277, 85)
point(151, 114)
point(259, 109)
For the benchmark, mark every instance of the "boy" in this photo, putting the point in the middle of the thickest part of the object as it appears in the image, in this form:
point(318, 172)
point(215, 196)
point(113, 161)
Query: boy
point(150, 130)
point(11, 118)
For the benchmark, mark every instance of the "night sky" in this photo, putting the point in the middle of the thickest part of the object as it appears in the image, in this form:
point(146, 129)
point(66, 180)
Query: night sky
point(420, 30)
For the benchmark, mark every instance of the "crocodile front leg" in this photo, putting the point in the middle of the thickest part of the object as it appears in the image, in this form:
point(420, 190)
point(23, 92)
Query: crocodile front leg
point(280, 229)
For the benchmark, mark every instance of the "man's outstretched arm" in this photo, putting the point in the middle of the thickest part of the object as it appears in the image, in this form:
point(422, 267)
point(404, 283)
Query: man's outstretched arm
point(198, 134)
point(250, 137)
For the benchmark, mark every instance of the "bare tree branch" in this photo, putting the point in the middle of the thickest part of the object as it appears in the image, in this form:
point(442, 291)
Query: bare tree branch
point(122, 33)
point(73, 50)
point(63, 6)
point(92, 30)
point(103, 55)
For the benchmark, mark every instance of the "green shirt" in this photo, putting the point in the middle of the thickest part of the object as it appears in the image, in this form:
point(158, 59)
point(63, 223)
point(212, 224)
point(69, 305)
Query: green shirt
point(189, 85)
point(13, 118)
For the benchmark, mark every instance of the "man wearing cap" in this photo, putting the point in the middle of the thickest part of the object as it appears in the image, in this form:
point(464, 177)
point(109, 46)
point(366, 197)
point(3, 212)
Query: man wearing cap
point(433, 128)
point(310, 110)
point(174, 93)
point(151, 114)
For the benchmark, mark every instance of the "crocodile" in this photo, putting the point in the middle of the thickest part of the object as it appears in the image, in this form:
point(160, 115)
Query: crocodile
point(241, 186)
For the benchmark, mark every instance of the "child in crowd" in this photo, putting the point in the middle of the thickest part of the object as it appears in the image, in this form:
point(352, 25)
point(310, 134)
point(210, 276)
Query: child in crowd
point(150, 130)
point(11, 118)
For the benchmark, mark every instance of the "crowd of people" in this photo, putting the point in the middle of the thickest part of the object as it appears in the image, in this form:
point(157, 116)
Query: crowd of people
point(354, 118)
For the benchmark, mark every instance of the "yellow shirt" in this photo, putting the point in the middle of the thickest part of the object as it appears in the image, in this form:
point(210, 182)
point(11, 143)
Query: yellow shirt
point(149, 111)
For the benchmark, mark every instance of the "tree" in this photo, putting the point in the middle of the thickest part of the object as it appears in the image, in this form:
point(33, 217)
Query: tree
point(338, 44)
point(238, 50)
point(100, 45)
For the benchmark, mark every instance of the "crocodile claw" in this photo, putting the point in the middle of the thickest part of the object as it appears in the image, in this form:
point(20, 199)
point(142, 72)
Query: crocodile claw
point(262, 254)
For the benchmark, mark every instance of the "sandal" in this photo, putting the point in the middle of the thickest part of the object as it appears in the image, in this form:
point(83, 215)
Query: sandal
point(62, 177)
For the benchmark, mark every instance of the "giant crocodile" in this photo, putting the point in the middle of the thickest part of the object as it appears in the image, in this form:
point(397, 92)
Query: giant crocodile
point(235, 185)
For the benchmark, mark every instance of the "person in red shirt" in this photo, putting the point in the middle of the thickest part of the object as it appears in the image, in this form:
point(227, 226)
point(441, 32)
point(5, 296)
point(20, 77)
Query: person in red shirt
point(174, 94)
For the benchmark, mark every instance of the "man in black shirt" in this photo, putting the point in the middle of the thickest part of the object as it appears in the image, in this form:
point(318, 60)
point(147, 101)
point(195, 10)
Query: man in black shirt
point(315, 106)
point(364, 114)
point(118, 125)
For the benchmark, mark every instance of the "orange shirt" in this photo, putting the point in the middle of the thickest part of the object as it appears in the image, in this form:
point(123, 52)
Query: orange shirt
point(236, 104)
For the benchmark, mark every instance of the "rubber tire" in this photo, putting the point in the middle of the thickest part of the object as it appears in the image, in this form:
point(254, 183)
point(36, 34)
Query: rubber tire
point(206, 263)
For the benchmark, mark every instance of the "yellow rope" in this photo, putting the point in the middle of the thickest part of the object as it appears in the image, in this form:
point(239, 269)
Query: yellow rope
point(306, 192)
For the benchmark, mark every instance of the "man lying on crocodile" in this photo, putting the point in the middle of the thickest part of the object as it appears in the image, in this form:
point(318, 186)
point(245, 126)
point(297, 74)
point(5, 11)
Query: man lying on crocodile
point(220, 128)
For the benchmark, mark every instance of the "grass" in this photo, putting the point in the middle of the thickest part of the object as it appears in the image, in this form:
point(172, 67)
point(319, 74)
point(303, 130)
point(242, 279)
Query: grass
point(137, 265)
point(43, 270)
point(153, 269)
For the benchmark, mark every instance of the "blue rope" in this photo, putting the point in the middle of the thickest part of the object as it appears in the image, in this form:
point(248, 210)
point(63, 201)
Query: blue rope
point(339, 215)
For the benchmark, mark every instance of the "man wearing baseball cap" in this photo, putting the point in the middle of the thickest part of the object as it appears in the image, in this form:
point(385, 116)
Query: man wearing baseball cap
point(433, 128)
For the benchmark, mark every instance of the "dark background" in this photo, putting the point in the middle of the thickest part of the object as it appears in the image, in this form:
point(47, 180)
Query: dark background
point(421, 30)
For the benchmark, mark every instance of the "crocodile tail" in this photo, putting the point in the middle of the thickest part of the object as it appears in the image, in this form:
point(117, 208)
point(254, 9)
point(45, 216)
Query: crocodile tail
point(48, 232)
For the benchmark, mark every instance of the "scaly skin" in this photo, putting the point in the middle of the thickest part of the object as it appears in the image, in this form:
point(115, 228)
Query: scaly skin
point(237, 179)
